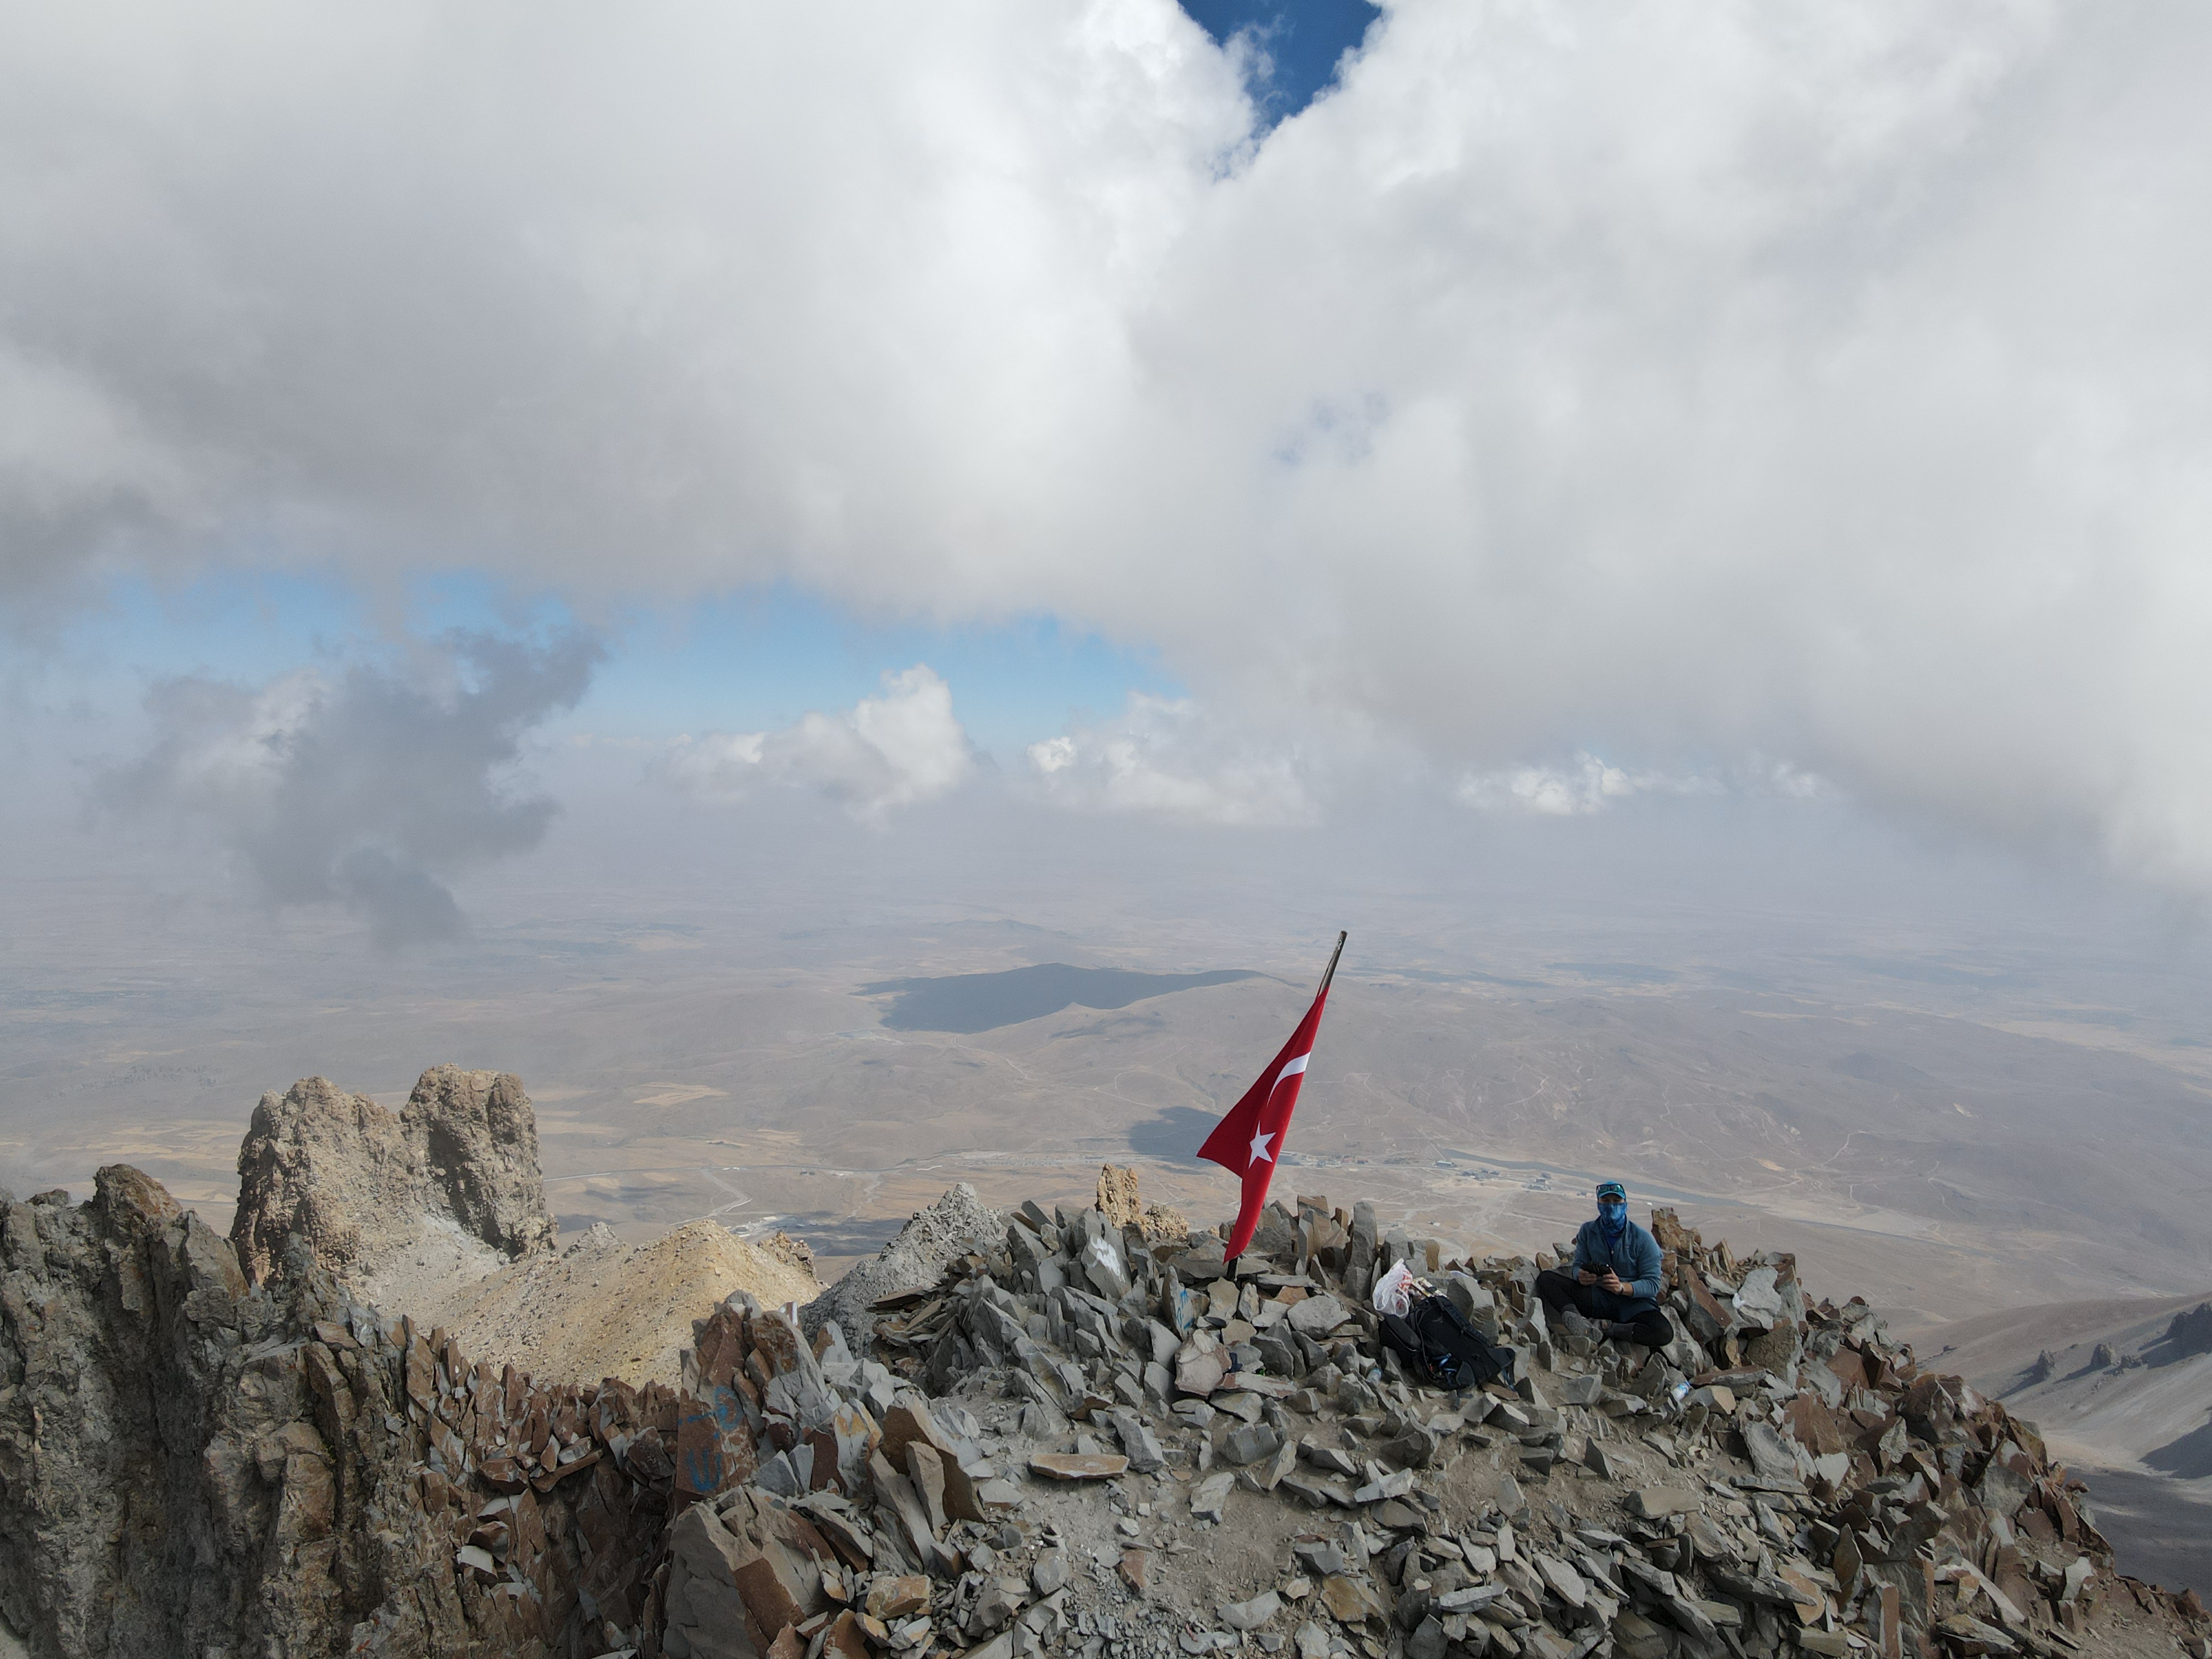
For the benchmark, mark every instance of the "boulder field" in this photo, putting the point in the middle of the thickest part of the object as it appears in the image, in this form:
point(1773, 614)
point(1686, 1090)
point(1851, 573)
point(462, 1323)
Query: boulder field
point(1075, 1431)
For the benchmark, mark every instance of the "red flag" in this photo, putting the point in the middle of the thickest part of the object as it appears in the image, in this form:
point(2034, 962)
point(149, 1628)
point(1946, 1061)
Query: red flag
point(1250, 1139)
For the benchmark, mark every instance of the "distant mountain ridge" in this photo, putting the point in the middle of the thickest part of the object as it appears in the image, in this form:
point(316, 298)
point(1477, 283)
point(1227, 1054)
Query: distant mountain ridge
point(2122, 1388)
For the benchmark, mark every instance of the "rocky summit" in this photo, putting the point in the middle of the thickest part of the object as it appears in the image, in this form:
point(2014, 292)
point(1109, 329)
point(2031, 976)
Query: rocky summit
point(454, 1171)
point(1074, 1431)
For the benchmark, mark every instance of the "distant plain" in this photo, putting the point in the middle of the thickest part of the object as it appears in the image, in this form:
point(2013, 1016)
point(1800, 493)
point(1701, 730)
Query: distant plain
point(1947, 1120)
point(1947, 1123)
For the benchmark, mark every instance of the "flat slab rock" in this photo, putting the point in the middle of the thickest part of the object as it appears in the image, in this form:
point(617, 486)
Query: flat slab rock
point(1207, 1497)
point(1657, 1502)
point(1079, 1466)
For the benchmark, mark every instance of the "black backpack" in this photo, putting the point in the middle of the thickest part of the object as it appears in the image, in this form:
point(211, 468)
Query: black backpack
point(1437, 1345)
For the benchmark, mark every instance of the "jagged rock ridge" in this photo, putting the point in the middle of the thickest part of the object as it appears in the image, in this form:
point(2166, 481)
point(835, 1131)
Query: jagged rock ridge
point(190, 1465)
point(1077, 1437)
point(957, 1224)
point(184, 1467)
point(368, 1189)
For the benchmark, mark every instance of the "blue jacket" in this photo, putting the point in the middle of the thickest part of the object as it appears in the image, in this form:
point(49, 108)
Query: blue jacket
point(1635, 1258)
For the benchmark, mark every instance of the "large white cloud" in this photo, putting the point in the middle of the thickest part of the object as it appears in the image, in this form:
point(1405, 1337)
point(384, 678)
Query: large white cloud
point(1762, 375)
point(1589, 784)
point(898, 750)
point(1165, 758)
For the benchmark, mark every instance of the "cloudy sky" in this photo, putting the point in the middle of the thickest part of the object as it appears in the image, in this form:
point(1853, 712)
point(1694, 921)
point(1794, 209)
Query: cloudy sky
point(1540, 412)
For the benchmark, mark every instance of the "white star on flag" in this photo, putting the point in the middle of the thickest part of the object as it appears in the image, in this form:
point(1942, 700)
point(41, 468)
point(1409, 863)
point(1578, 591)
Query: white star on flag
point(1260, 1149)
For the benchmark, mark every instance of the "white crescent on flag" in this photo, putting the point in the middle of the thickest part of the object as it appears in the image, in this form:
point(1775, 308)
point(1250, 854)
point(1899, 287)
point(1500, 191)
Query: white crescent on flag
point(1260, 1142)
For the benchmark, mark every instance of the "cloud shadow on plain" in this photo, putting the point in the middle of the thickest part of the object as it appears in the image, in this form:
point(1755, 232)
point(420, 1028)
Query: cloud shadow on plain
point(1174, 1132)
point(969, 1003)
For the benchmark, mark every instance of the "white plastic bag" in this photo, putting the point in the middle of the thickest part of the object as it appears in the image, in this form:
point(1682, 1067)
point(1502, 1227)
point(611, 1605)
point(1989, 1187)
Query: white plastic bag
point(1394, 1291)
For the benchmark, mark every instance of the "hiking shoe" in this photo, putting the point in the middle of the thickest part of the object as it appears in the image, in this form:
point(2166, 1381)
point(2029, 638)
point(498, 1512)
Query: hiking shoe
point(1620, 1331)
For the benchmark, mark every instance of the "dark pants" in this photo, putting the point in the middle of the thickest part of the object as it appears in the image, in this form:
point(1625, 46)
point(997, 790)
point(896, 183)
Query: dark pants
point(1559, 1289)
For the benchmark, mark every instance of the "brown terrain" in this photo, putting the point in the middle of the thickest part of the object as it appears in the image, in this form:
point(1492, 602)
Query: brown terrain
point(1935, 1161)
point(598, 1307)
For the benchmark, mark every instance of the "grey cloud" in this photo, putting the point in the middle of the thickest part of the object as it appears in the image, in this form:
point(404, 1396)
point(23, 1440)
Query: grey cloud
point(1662, 382)
point(368, 789)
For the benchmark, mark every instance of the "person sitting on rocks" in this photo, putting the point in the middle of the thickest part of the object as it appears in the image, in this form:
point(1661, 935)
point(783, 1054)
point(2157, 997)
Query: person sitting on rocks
point(1613, 1281)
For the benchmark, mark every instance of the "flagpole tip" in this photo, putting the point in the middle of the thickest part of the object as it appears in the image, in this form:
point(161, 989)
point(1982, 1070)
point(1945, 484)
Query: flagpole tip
point(1342, 934)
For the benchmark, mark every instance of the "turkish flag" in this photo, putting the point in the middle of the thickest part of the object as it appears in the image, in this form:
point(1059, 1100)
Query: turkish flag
point(1249, 1138)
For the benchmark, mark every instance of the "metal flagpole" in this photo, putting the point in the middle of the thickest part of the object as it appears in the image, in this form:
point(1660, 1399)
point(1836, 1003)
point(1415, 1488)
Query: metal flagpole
point(1333, 954)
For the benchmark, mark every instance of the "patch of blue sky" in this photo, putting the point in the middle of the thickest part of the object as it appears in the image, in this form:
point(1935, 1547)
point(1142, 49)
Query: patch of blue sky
point(1296, 48)
point(249, 626)
point(748, 661)
point(757, 661)
point(227, 625)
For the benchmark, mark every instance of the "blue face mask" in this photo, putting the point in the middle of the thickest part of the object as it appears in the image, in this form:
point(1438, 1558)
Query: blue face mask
point(1614, 1216)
